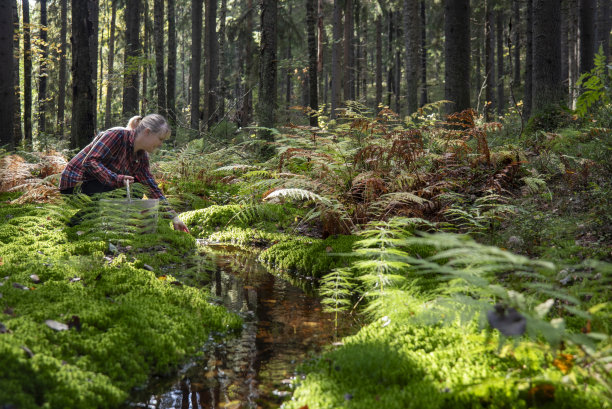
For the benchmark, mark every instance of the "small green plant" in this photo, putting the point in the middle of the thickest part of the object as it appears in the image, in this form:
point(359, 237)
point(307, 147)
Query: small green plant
point(596, 85)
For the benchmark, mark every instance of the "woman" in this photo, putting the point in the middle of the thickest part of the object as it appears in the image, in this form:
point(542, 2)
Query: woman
point(117, 157)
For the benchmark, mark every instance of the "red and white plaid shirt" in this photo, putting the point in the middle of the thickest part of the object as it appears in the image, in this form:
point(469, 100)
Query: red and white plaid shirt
point(109, 158)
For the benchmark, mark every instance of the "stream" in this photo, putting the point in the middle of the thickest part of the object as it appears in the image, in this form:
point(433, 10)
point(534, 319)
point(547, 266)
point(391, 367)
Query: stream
point(283, 325)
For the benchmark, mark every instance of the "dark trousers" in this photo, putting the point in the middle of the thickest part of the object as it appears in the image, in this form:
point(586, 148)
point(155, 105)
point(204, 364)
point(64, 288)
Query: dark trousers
point(90, 187)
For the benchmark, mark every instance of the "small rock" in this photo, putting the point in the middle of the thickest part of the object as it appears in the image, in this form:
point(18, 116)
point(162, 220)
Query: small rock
point(75, 279)
point(57, 326)
point(28, 351)
point(148, 267)
point(35, 279)
point(3, 329)
point(20, 286)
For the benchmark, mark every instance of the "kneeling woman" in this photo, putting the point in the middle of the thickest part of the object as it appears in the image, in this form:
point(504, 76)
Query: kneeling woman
point(117, 157)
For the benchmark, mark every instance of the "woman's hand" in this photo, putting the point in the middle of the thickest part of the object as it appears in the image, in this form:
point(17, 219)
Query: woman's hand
point(127, 180)
point(179, 225)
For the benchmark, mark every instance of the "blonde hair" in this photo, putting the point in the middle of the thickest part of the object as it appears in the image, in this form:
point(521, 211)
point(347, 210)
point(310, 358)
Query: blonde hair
point(154, 122)
point(134, 122)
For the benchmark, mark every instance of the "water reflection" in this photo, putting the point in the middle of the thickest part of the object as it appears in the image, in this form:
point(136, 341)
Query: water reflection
point(282, 325)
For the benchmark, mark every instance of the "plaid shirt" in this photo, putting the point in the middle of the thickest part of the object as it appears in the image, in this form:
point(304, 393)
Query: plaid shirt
point(109, 158)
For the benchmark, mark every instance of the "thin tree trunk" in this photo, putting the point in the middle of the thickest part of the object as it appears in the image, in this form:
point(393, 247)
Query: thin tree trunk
point(364, 54)
point(457, 53)
point(478, 59)
point(83, 85)
point(587, 34)
point(42, 76)
point(336, 70)
point(378, 75)
point(211, 70)
point(61, 98)
point(489, 67)
point(356, 50)
point(603, 27)
point(94, 12)
point(501, 101)
point(132, 52)
point(144, 100)
point(171, 86)
point(390, 73)
point(7, 75)
point(27, 75)
point(17, 101)
point(320, 50)
point(412, 34)
point(348, 49)
point(516, 43)
point(111, 61)
point(223, 85)
point(288, 83)
point(268, 63)
point(528, 98)
point(564, 46)
point(250, 72)
point(196, 58)
point(546, 54)
point(100, 76)
point(573, 50)
point(158, 42)
point(424, 55)
point(312, 60)
point(398, 61)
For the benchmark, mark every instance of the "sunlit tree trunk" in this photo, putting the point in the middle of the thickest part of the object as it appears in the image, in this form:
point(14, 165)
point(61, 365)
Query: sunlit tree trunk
point(336, 70)
point(158, 43)
point(42, 76)
point(111, 61)
point(27, 75)
point(457, 53)
point(17, 102)
point(412, 34)
point(196, 57)
point(7, 77)
point(61, 98)
point(132, 52)
point(171, 94)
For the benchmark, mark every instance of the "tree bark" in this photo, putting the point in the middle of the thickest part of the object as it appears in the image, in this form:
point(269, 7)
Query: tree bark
point(412, 34)
point(547, 89)
point(223, 84)
point(499, 37)
point(27, 75)
point(424, 98)
point(17, 102)
point(268, 63)
point(528, 98)
point(171, 86)
point(378, 75)
point(349, 63)
point(158, 43)
point(61, 98)
point(312, 61)
point(132, 52)
point(211, 70)
point(7, 76)
point(83, 87)
point(94, 12)
point(573, 13)
point(457, 54)
point(564, 46)
point(42, 76)
point(489, 63)
point(111, 61)
point(603, 27)
point(336, 72)
point(587, 35)
point(516, 44)
point(196, 57)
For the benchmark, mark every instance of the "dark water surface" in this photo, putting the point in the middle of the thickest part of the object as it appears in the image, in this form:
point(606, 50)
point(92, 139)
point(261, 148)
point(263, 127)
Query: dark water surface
point(283, 325)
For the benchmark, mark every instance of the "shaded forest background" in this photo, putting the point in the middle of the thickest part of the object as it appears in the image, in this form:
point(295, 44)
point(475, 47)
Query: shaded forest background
point(70, 69)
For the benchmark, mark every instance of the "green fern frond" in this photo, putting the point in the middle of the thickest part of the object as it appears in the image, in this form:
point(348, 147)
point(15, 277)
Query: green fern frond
point(297, 194)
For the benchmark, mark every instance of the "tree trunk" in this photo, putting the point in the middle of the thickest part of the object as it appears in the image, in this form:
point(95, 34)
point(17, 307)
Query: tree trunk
point(17, 101)
point(348, 50)
point(94, 12)
point(412, 34)
point(390, 74)
point(61, 98)
point(7, 76)
point(398, 61)
point(42, 76)
point(158, 42)
point(27, 76)
point(336, 70)
point(564, 46)
point(171, 86)
point(528, 98)
point(268, 63)
point(146, 52)
point(424, 55)
point(457, 54)
point(196, 58)
point(312, 61)
point(378, 75)
point(211, 70)
point(356, 50)
point(489, 67)
point(101, 75)
point(320, 49)
point(132, 52)
point(587, 35)
point(499, 37)
point(603, 27)
point(223, 84)
point(547, 90)
point(573, 13)
point(83, 87)
point(288, 83)
point(516, 44)
point(111, 61)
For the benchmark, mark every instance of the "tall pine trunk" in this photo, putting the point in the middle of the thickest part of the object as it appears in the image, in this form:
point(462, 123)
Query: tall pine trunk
point(94, 12)
point(499, 38)
point(320, 48)
point(158, 41)
point(196, 58)
point(348, 50)
point(268, 63)
point(378, 70)
point(547, 89)
point(111, 61)
point(17, 102)
point(516, 44)
point(132, 52)
point(146, 52)
point(312, 61)
point(603, 26)
point(564, 46)
point(83, 85)
point(489, 67)
point(528, 98)
point(423, 55)
point(223, 84)
point(587, 34)
point(573, 13)
point(27, 75)
point(7, 76)
point(412, 42)
point(171, 86)
point(61, 98)
point(336, 70)
point(457, 54)
point(211, 70)
point(42, 75)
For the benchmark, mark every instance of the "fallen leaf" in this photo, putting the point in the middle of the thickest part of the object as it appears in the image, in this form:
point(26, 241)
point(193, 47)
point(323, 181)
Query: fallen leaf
point(1, 262)
point(564, 362)
point(162, 277)
point(329, 249)
point(57, 326)
point(35, 279)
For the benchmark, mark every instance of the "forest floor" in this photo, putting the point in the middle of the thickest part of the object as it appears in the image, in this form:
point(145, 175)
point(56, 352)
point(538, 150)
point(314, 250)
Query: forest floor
point(420, 229)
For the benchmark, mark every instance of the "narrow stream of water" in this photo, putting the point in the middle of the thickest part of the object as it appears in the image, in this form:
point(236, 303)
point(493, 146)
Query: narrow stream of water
point(283, 325)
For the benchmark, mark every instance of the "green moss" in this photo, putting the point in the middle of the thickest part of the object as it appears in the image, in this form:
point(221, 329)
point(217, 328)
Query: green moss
point(130, 322)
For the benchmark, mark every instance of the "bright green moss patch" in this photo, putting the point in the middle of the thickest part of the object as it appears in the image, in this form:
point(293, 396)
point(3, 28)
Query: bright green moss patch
point(125, 322)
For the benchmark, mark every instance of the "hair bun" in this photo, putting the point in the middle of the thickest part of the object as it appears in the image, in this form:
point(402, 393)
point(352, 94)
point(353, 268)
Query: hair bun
point(134, 122)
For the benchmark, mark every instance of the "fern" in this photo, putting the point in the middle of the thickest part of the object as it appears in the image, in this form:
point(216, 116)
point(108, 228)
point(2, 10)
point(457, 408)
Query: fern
point(596, 85)
point(336, 288)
